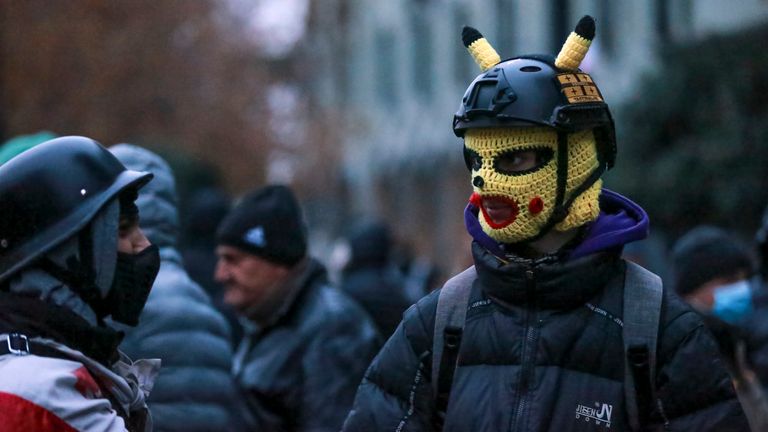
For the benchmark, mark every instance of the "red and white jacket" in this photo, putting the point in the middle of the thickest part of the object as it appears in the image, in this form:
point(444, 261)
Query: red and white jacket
point(54, 394)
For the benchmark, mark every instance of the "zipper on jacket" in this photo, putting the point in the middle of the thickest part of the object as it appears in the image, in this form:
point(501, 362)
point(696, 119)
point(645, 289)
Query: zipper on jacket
point(528, 353)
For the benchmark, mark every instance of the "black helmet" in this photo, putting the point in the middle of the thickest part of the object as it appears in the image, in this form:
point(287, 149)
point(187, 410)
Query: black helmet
point(51, 192)
point(531, 91)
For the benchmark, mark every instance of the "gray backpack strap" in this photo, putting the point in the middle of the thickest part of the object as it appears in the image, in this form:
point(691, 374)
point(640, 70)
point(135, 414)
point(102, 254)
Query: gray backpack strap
point(451, 312)
point(642, 309)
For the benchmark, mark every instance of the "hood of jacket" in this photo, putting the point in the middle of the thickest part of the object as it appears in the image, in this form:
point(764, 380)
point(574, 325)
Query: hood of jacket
point(157, 200)
point(37, 280)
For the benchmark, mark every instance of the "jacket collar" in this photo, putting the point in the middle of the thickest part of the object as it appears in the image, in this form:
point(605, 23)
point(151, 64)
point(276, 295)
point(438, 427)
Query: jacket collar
point(35, 318)
point(274, 310)
point(548, 282)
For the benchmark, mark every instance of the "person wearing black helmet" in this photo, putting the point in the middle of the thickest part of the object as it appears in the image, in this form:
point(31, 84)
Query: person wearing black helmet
point(71, 255)
point(550, 330)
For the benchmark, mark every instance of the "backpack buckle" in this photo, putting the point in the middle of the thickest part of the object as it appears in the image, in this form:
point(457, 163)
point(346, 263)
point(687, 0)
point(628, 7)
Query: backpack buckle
point(18, 344)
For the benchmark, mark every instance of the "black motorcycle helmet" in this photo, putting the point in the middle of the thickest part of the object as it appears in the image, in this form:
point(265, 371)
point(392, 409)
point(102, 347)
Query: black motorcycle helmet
point(525, 92)
point(51, 192)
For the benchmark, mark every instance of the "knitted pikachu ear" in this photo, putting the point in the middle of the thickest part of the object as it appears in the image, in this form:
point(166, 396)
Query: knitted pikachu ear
point(576, 46)
point(482, 51)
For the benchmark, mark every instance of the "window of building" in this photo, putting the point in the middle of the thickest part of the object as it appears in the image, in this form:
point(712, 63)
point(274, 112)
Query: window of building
point(386, 84)
point(681, 18)
point(422, 50)
point(662, 21)
point(561, 25)
point(505, 28)
point(606, 26)
point(462, 60)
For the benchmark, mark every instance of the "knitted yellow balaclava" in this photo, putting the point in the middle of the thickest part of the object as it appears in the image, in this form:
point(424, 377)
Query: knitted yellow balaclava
point(518, 205)
point(525, 200)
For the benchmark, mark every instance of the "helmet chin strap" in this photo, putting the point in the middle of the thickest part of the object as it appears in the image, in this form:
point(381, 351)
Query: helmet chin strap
point(563, 206)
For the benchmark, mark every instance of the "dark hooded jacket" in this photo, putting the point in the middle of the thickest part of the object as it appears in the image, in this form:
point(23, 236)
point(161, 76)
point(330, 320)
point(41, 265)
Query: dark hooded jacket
point(204, 211)
point(373, 280)
point(542, 341)
point(300, 369)
point(194, 390)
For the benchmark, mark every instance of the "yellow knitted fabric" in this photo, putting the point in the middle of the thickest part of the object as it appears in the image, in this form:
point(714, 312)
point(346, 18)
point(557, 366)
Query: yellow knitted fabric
point(582, 160)
point(484, 54)
point(539, 185)
point(573, 52)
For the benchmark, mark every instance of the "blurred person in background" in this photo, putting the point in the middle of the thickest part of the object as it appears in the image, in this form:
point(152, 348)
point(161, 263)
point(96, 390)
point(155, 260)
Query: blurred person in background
point(205, 210)
point(422, 276)
point(194, 390)
point(651, 253)
point(22, 143)
point(713, 272)
point(757, 324)
point(71, 255)
point(550, 330)
point(761, 244)
point(306, 344)
point(372, 279)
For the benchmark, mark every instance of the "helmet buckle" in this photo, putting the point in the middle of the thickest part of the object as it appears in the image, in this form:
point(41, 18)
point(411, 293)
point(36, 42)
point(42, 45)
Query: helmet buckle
point(18, 344)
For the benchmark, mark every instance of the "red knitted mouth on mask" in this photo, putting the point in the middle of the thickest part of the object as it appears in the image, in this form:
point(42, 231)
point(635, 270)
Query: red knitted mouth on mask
point(498, 211)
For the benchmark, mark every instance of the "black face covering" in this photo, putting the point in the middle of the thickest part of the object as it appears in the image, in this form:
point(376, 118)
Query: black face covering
point(134, 275)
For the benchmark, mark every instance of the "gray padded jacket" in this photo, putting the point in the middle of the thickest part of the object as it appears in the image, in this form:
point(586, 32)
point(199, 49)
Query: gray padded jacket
point(194, 390)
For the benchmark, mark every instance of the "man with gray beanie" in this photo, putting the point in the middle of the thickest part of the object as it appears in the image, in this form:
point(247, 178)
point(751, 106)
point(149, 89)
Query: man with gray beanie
point(306, 345)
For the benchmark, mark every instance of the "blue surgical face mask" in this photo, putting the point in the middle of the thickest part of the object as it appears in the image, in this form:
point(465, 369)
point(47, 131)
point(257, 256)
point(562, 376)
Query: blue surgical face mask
point(733, 301)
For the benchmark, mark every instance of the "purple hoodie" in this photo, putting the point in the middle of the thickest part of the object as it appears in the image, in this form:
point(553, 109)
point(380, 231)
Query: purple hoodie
point(621, 221)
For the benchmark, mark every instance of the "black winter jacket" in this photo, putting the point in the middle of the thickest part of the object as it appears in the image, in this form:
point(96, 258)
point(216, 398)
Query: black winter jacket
point(380, 290)
point(300, 372)
point(536, 353)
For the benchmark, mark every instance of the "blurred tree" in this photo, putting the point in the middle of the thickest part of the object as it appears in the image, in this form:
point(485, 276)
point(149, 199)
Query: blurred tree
point(694, 146)
point(176, 74)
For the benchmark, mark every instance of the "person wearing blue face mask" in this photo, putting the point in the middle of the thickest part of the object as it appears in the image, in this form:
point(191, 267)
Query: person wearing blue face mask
point(713, 271)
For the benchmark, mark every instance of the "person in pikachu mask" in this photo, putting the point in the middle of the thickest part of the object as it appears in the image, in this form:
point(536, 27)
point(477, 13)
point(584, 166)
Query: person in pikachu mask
point(550, 330)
